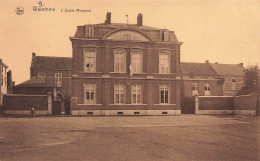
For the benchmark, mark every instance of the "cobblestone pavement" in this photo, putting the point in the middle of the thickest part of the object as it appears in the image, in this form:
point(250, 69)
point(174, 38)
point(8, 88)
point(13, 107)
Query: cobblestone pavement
point(186, 137)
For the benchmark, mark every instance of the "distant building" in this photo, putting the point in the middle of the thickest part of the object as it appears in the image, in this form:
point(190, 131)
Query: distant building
point(233, 74)
point(3, 80)
point(125, 69)
point(200, 79)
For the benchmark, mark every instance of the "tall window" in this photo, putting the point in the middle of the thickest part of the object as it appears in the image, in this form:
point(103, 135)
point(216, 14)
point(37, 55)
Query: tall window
point(119, 93)
point(89, 60)
point(136, 62)
point(207, 89)
point(58, 79)
point(2, 80)
point(164, 94)
point(195, 89)
point(136, 94)
point(42, 76)
point(234, 83)
point(89, 31)
point(120, 61)
point(164, 63)
point(165, 35)
point(89, 93)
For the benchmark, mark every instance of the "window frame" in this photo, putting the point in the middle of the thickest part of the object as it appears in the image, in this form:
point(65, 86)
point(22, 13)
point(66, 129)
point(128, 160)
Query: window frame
point(124, 52)
point(133, 52)
point(196, 87)
point(136, 92)
point(169, 63)
point(120, 94)
point(233, 84)
point(42, 78)
point(58, 80)
point(207, 89)
point(87, 88)
point(85, 52)
point(160, 97)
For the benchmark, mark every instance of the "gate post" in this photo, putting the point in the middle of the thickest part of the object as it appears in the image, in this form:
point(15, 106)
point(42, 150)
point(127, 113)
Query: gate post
point(196, 104)
point(49, 103)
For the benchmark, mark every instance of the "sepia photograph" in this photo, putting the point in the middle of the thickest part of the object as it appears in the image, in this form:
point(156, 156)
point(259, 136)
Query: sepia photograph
point(130, 80)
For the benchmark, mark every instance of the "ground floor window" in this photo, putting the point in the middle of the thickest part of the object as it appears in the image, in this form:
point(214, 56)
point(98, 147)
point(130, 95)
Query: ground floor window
point(207, 89)
point(136, 94)
point(164, 94)
point(195, 89)
point(119, 94)
point(90, 93)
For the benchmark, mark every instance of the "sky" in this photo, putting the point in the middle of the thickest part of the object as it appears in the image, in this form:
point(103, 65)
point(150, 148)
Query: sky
point(224, 31)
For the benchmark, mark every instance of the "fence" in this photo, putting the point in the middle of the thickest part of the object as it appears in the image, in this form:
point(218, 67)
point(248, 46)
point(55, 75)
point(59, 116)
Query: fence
point(18, 104)
point(245, 104)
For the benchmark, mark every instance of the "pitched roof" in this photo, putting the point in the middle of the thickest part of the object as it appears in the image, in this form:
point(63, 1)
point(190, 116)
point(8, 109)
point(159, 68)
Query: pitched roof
point(53, 63)
point(228, 69)
point(196, 68)
point(35, 82)
point(120, 25)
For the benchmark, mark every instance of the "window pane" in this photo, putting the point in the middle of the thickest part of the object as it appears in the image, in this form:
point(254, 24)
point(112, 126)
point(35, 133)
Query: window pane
point(117, 98)
point(122, 99)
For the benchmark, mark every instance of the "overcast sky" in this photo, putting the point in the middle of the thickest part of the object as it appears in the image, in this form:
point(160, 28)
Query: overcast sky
point(224, 31)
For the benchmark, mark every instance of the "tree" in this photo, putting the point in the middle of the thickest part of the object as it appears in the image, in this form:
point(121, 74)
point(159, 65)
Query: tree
point(251, 80)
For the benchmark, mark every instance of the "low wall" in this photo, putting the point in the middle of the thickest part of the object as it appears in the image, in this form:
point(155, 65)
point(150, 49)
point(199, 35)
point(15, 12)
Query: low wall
point(22, 104)
point(244, 105)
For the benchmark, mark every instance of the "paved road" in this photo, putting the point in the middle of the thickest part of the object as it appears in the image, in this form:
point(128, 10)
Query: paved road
point(186, 137)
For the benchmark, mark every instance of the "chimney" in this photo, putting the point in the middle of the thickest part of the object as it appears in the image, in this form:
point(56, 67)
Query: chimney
point(108, 18)
point(33, 55)
point(140, 20)
point(207, 61)
point(241, 64)
point(216, 62)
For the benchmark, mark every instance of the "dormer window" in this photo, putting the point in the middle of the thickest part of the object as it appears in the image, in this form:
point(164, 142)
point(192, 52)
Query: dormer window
point(164, 35)
point(89, 31)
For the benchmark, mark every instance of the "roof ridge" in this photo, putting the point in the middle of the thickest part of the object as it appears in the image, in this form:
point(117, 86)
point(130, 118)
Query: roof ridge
point(55, 57)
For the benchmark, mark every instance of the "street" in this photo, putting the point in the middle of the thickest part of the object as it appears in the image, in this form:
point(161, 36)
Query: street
point(146, 138)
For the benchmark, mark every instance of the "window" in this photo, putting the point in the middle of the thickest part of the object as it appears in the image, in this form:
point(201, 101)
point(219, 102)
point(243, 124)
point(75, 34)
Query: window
point(58, 79)
point(164, 94)
point(5, 81)
point(195, 89)
point(89, 31)
point(89, 93)
point(119, 94)
point(42, 76)
point(136, 94)
point(234, 83)
point(207, 89)
point(164, 63)
point(120, 61)
point(165, 35)
point(89, 60)
point(136, 62)
point(2, 81)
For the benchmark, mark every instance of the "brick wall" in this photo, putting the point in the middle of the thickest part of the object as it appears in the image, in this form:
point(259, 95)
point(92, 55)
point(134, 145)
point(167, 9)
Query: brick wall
point(246, 102)
point(216, 103)
point(25, 102)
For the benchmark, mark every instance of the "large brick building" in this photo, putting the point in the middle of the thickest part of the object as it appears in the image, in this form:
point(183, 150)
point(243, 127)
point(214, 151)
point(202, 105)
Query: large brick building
point(125, 69)
point(3, 80)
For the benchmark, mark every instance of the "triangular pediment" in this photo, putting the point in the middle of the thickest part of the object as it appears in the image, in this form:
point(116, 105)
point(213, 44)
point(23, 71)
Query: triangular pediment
point(127, 35)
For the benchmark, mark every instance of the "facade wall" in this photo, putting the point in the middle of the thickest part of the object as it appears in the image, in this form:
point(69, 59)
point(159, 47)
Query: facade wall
point(227, 86)
point(215, 87)
point(66, 88)
point(105, 77)
point(3, 81)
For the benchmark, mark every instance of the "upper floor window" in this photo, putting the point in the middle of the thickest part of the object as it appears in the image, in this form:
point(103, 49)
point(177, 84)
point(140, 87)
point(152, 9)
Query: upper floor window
point(234, 83)
point(195, 89)
point(89, 93)
point(207, 89)
point(136, 94)
point(58, 79)
point(119, 94)
point(2, 81)
point(89, 60)
point(164, 94)
point(89, 31)
point(120, 61)
point(164, 63)
point(164, 35)
point(136, 62)
point(42, 76)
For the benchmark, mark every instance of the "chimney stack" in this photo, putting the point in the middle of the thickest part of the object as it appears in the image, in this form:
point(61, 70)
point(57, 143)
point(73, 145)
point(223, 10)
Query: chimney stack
point(241, 64)
point(216, 62)
point(140, 20)
point(33, 55)
point(207, 61)
point(108, 18)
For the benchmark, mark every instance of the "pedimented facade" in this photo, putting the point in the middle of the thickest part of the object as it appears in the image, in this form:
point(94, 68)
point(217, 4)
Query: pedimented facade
point(125, 69)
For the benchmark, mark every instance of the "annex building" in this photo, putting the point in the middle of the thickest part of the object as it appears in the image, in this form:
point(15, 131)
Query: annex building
point(125, 69)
